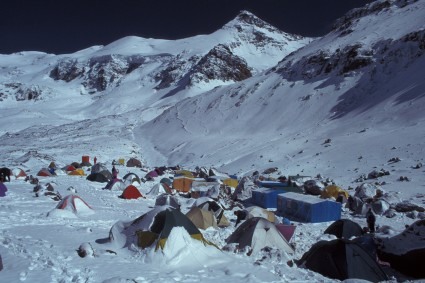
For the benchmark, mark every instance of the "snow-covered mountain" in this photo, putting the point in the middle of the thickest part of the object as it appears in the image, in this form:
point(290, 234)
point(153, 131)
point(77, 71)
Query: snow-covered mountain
point(243, 97)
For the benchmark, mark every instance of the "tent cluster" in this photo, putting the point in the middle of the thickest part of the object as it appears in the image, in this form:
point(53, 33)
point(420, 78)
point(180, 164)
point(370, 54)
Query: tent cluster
point(360, 255)
point(207, 199)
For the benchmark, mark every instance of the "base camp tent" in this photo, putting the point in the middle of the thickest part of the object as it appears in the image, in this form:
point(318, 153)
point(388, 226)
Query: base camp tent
point(130, 178)
point(77, 172)
point(182, 184)
point(202, 218)
point(258, 233)
point(44, 172)
point(19, 173)
point(167, 199)
point(153, 228)
point(344, 228)
point(131, 192)
point(72, 204)
point(115, 185)
point(133, 162)
point(99, 177)
point(256, 211)
point(342, 259)
point(159, 189)
point(333, 191)
point(215, 208)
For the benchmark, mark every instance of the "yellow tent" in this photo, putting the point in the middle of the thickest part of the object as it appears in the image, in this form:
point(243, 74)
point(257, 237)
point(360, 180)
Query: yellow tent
point(231, 182)
point(333, 191)
point(77, 172)
point(201, 218)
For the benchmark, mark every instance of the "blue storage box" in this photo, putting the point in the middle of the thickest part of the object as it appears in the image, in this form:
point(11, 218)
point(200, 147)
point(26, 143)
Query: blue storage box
point(307, 208)
point(280, 186)
point(266, 198)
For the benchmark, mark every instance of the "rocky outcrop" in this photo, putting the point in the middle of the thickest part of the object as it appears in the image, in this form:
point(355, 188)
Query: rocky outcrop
point(99, 72)
point(220, 64)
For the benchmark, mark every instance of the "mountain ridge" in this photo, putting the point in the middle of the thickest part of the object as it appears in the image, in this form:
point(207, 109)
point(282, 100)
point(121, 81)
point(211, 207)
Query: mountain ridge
point(186, 107)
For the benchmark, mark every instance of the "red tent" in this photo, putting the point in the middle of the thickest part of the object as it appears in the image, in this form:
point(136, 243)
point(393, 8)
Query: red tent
point(131, 192)
point(44, 173)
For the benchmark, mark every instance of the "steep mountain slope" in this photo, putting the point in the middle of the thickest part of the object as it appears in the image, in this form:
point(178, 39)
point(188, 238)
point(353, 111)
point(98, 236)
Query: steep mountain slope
point(53, 104)
point(360, 86)
point(139, 72)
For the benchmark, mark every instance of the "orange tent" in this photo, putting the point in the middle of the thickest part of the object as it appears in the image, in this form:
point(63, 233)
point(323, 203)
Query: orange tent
point(182, 184)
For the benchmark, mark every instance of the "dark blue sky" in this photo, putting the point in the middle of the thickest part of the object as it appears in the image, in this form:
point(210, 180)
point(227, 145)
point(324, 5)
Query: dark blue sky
point(66, 26)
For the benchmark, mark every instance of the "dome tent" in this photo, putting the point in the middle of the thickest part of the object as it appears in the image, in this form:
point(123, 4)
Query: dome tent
point(130, 178)
point(344, 228)
point(131, 192)
point(258, 233)
point(153, 228)
point(133, 162)
point(342, 259)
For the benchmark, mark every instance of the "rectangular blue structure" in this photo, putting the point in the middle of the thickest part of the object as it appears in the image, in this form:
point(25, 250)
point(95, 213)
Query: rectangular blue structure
point(266, 198)
point(281, 186)
point(307, 208)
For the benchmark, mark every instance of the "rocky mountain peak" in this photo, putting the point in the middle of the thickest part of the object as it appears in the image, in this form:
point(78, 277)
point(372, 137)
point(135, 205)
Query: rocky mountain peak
point(245, 21)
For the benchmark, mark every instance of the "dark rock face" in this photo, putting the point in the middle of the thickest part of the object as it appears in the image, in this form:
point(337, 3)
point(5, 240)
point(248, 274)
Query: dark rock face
point(174, 71)
point(99, 72)
point(67, 70)
point(220, 64)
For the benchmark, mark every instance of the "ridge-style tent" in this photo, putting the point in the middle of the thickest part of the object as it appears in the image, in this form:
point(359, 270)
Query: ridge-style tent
point(131, 192)
point(256, 211)
point(342, 259)
point(216, 209)
point(344, 228)
point(153, 228)
point(258, 233)
point(202, 218)
point(44, 172)
point(18, 172)
point(168, 200)
point(159, 189)
point(74, 204)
